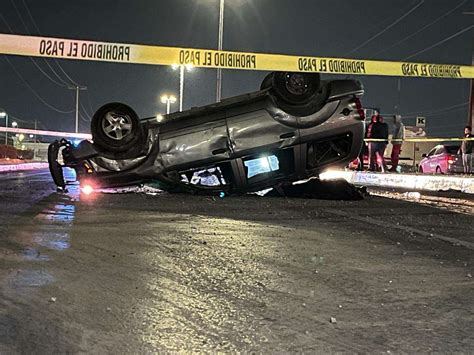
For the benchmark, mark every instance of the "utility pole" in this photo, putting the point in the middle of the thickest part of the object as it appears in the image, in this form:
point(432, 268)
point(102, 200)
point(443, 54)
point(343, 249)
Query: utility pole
point(4, 114)
point(397, 107)
point(470, 113)
point(181, 87)
point(77, 88)
point(219, 47)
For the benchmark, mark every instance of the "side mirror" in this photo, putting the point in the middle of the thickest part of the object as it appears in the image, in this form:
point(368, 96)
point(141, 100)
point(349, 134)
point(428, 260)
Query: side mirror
point(423, 155)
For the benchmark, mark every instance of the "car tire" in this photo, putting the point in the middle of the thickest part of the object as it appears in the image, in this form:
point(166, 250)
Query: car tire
point(295, 88)
point(116, 128)
point(438, 171)
point(298, 94)
point(267, 82)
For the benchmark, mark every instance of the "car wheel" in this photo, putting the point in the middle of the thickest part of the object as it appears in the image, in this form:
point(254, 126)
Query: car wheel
point(116, 128)
point(438, 170)
point(267, 82)
point(295, 88)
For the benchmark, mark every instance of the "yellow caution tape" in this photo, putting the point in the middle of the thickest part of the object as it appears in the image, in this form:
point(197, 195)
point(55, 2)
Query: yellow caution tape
point(208, 58)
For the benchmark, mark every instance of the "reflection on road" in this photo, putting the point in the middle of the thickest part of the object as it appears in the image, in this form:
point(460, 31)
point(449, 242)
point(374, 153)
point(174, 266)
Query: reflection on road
point(47, 230)
point(30, 278)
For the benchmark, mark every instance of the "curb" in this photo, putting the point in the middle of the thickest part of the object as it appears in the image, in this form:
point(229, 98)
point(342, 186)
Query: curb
point(22, 167)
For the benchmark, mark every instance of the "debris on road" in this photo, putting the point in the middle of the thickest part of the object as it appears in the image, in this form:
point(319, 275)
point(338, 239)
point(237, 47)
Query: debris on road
point(412, 195)
point(320, 189)
point(141, 189)
point(333, 320)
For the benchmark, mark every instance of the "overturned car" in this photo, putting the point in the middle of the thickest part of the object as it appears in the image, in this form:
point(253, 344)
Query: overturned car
point(293, 128)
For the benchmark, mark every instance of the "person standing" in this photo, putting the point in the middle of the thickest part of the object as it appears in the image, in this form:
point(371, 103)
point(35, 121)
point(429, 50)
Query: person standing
point(398, 135)
point(466, 150)
point(380, 134)
point(371, 145)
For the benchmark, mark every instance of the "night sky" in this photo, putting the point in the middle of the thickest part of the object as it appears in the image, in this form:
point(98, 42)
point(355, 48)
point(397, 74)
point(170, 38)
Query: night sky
point(307, 27)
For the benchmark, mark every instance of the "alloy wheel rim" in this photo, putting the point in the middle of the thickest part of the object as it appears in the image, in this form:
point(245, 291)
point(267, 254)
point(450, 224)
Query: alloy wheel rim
point(116, 126)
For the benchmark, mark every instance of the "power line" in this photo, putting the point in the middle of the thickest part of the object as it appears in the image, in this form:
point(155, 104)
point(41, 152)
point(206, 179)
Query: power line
point(85, 119)
point(39, 32)
point(65, 83)
point(421, 29)
point(440, 42)
point(432, 112)
point(89, 102)
point(31, 17)
point(31, 59)
point(62, 83)
point(17, 119)
point(33, 90)
point(85, 111)
point(437, 113)
point(438, 110)
point(387, 28)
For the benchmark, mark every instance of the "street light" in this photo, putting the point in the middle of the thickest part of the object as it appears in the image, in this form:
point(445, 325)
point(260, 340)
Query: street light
point(181, 68)
point(4, 115)
point(168, 100)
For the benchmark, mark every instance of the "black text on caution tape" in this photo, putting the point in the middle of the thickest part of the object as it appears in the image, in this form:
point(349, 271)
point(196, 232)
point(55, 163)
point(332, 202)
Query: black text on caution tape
point(84, 50)
point(431, 70)
point(324, 65)
point(204, 58)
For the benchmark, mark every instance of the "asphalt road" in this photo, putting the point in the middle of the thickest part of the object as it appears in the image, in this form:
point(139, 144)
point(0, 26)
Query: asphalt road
point(139, 273)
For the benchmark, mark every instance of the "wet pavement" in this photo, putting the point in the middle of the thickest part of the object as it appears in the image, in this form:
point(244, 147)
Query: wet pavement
point(141, 273)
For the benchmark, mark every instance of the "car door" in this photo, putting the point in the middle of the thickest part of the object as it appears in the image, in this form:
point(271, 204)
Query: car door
point(439, 159)
point(430, 164)
point(256, 131)
point(194, 142)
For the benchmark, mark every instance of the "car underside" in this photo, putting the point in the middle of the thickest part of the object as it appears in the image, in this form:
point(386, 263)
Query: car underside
point(293, 128)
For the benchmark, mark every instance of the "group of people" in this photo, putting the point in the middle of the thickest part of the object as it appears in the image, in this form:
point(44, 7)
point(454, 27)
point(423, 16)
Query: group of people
point(377, 132)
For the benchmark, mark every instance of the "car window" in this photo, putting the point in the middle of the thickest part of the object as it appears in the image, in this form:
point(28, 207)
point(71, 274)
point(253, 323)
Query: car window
point(432, 151)
point(452, 149)
point(439, 150)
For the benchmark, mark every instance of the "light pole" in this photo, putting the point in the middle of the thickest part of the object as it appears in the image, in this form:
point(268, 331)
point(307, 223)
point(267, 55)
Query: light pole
point(77, 88)
point(168, 100)
point(219, 47)
point(14, 125)
point(470, 114)
point(181, 68)
point(3, 114)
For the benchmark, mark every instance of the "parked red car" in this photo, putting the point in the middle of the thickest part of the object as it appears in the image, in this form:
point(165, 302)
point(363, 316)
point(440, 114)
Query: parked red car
point(442, 159)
